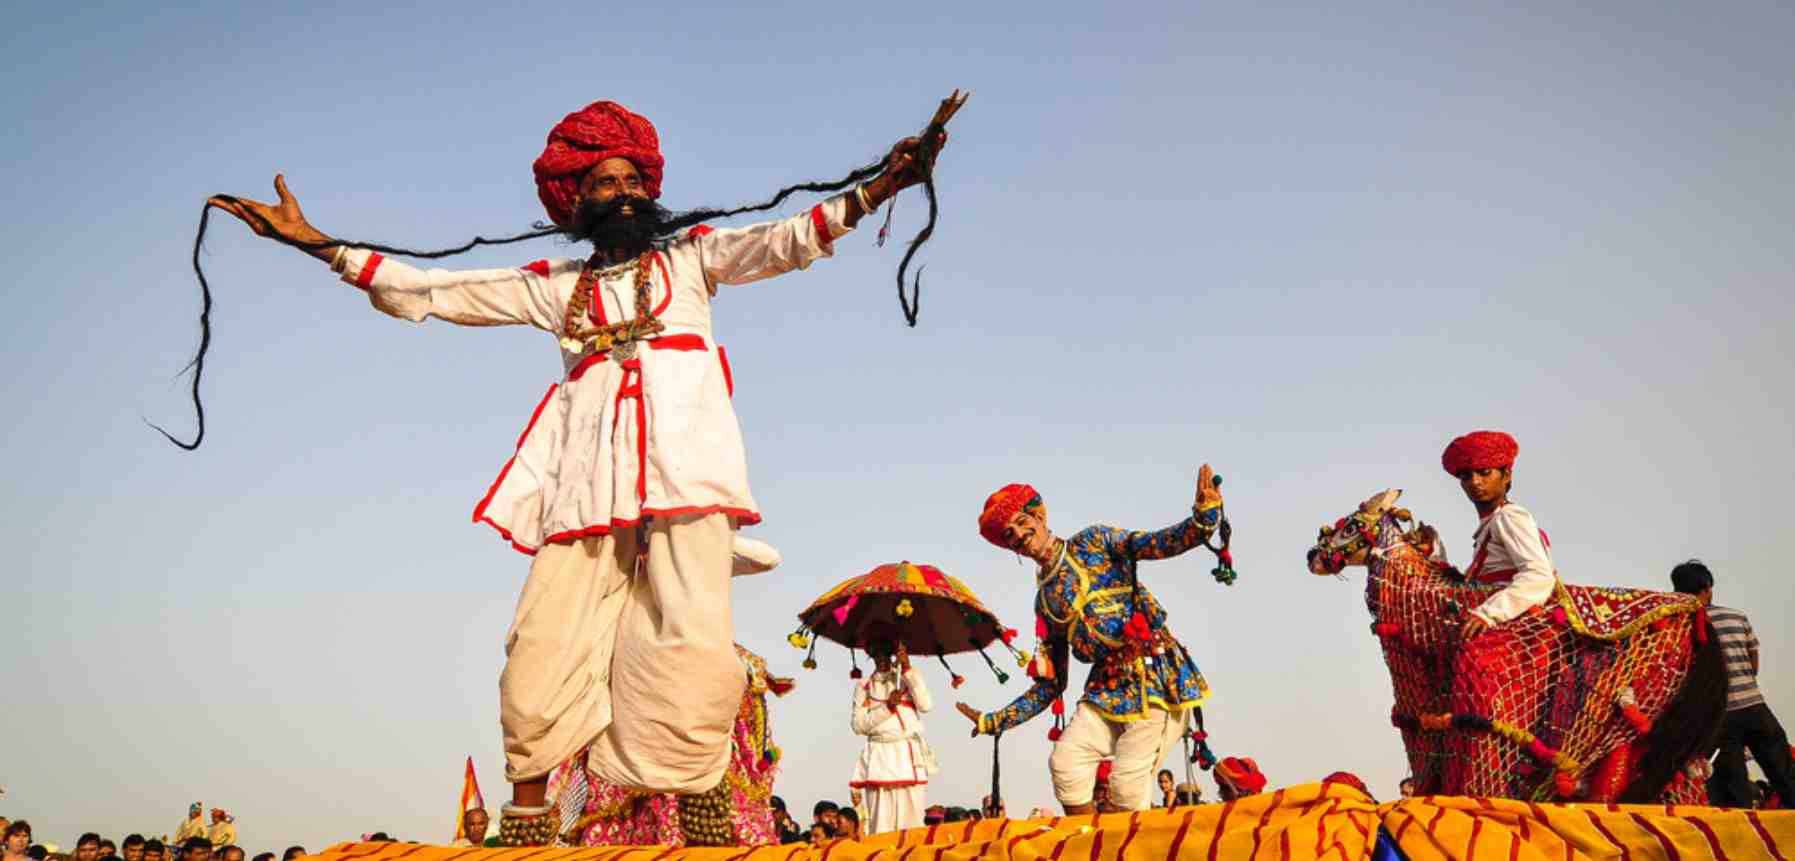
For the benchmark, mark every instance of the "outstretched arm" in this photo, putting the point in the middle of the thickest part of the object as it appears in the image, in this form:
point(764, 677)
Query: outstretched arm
point(484, 297)
point(742, 255)
point(1039, 695)
point(1181, 536)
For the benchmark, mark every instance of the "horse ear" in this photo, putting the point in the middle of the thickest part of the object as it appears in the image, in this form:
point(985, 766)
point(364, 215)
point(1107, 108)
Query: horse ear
point(1380, 502)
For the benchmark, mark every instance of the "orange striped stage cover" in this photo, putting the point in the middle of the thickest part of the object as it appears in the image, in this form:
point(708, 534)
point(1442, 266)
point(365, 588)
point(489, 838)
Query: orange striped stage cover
point(1313, 821)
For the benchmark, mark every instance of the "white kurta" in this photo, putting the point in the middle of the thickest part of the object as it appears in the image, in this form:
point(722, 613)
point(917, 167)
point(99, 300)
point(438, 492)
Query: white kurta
point(893, 769)
point(1510, 541)
point(616, 441)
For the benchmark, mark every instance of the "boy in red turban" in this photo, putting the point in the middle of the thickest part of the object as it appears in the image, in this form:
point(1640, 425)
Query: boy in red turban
point(1088, 604)
point(1511, 550)
point(629, 480)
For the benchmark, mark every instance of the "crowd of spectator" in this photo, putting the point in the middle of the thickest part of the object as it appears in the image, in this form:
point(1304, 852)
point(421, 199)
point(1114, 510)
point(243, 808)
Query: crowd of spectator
point(20, 844)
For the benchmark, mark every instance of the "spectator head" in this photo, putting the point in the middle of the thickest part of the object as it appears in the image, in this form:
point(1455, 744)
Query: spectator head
point(1168, 784)
point(196, 849)
point(850, 823)
point(18, 837)
point(4, 823)
point(292, 853)
point(819, 834)
point(263, 856)
point(957, 814)
point(1186, 794)
point(380, 837)
point(934, 815)
point(108, 849)
point(776, 803)
point(231, 852)
point(87, 847)
point(37, 852)
point(828, 813)
point(133, 848)
point(1406, 787)
point(153, 850)
point(1693, 578)
point(474, 824)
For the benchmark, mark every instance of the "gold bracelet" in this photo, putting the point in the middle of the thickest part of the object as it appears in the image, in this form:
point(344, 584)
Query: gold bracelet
point(866, 201)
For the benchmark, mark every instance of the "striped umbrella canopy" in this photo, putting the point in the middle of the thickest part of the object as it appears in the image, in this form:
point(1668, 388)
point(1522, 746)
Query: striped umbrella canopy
point(917, 605)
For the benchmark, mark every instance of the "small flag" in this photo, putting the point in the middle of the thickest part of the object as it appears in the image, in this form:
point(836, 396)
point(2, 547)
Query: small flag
point(470, 798)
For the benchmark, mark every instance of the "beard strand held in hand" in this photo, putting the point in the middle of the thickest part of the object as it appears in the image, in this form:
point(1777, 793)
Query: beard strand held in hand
point(609, 228)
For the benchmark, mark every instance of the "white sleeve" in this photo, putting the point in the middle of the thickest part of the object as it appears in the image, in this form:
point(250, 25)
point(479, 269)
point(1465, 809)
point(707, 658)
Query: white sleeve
point(1534, 576)
point(862, 718)
point(918, 691)
point(739, 255)
point(476, 297)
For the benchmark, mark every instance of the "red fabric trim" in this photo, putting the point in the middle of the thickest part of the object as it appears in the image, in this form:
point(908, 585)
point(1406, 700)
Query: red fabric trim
point(728, 378)
point(365, 278)
point(1134, 825)
point(1670, 851)
point(1178, 839)
point(1769, 845)
point(683, 341)
point(1221, 823)
point(480, 509)
point(884, 784)
point(666, 281)
point(743, 516)
point(699, 231)
point(821, 222)
point(540, 267)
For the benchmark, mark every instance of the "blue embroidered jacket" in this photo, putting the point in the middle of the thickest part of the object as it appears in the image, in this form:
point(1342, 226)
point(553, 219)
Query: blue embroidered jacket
point(1086, 599)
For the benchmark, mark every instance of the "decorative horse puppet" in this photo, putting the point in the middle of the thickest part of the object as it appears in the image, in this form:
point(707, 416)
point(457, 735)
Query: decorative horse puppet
point(1601, 694)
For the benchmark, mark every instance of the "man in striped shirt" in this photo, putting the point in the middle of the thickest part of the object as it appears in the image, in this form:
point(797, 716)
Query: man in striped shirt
point(1749, 722)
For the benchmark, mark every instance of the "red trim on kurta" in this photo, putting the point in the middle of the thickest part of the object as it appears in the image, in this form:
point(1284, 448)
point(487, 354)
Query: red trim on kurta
point(682, 341)
point(365, 278)
point(666, 281)
point(728, 378)
point(480, 509)
point(743, 516)
point(885, 784)
point(540, 267)
point(821, 223)
point(700, 231)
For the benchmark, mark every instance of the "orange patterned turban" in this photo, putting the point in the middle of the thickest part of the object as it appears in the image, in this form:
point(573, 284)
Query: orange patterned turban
point(1241, 774)
point(1003, 505)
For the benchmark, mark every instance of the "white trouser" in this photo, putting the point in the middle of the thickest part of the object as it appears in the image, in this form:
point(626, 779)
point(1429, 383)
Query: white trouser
point(1138, 746)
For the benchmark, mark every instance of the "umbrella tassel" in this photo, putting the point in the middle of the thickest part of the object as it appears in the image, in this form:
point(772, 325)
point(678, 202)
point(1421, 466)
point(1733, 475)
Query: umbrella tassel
point(1003, 678)
point(955, 678)
point(810, 656)
point(853, 659)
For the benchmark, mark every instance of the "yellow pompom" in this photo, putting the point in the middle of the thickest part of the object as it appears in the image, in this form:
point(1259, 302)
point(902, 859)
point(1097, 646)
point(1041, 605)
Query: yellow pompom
point(904, 609)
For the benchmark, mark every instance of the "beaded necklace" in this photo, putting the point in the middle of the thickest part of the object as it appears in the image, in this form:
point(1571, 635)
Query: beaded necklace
point(578, 334)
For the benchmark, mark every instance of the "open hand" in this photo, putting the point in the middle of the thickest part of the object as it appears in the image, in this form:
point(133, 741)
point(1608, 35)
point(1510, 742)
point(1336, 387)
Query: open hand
point(1208, 494)
point(281, 219)
point(903, 167)
point(1474, 625)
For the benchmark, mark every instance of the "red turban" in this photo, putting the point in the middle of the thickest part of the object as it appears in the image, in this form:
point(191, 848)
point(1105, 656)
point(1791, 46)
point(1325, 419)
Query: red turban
point(1479, 450)
point(586, 137)
point(1241, 774)
point(1003, 505)
point(1347, 778)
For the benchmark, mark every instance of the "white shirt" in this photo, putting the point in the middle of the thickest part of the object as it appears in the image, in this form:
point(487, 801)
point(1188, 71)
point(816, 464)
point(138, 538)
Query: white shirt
point(896, 753)
point(1510, 540)
point(614, 442)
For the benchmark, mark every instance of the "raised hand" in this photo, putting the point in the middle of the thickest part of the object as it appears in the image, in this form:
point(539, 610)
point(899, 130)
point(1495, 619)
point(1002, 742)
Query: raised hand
point(282, 219)
point(971, 714)
point(1209, 494)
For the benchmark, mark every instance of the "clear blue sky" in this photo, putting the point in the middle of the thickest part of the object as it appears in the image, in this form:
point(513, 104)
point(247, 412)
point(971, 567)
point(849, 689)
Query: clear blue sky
point(1308, 245)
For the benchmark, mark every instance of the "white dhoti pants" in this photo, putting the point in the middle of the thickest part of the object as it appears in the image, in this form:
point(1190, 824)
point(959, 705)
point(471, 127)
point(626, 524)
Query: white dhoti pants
point(895, 808)
point(639, 668)
point(1138, 746)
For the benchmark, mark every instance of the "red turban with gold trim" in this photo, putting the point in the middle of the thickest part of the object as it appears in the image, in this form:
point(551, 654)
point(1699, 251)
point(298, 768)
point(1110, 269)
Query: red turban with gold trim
point(1003, 505)
point(586, 137)
point(1480, 450)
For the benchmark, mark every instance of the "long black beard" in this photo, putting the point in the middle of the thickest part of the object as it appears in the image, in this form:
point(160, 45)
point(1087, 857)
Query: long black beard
point(619, 236)
point(669, 225)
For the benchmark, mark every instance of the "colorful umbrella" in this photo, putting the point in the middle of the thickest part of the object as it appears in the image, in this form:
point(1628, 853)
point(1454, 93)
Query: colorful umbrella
point(917, 605)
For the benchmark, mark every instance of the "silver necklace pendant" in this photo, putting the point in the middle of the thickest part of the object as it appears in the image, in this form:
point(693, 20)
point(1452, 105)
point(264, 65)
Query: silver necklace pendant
point(623, 352)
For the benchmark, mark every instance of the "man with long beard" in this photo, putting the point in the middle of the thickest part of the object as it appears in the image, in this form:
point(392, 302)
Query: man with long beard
point(629, 480)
